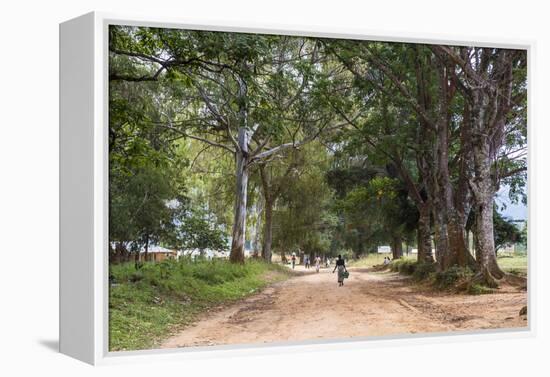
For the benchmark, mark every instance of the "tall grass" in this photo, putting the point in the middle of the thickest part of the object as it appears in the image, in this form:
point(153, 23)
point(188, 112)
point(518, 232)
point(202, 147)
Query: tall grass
point(146, 303)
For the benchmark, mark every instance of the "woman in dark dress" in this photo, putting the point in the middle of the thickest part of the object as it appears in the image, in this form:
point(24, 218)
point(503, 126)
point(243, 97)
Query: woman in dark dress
point(341, 266)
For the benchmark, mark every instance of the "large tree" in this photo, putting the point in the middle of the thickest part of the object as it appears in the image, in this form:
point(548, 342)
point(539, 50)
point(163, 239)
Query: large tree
point(253, 96)
point(494, 87)
point(143, 172)
point(429, 98)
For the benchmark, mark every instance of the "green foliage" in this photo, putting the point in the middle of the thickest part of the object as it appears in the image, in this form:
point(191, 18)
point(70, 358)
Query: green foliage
point(195, 229)
point(145, 304)
point(403, 266)
point(376, 209)
point(423, 270)
point(347, 254)
point(143, 169)
point(506, 232)
point(453, 275)
point(138, 206)
point(418, 270)
point(303, 215)
point(169, 84)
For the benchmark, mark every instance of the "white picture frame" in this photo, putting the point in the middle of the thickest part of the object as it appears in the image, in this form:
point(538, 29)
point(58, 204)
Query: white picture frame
point(84, 187)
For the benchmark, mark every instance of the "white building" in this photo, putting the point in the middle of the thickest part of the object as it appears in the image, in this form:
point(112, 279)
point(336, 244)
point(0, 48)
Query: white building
point(206, 253)
point(384, 249)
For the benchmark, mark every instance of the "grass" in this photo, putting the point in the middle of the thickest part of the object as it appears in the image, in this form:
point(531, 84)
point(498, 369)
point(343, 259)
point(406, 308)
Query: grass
point(145, 304)
point(513, 263)
point(374, 259)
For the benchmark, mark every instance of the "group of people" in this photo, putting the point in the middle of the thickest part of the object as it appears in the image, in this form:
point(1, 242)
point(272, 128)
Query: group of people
point(307, 262)
point(340, 266)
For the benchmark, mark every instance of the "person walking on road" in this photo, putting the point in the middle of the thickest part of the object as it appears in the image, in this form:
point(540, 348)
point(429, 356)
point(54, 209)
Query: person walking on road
point(317, 263)
point(293, 259)
point(342, 271)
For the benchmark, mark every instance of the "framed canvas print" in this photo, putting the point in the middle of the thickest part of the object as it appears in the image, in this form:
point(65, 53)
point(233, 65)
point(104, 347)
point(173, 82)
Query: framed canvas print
point(228, 189)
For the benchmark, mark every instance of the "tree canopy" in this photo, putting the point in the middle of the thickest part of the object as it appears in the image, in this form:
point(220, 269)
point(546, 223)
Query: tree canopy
point(233, 140)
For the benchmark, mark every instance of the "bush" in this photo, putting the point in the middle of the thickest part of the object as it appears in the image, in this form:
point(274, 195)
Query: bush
point(394, 266)
point(457, 277)
point(403, 266)
point(407, 267)
point(418, 270)
point(448, 278)
point(423, 270)
point(347, 254)
point(135, 276)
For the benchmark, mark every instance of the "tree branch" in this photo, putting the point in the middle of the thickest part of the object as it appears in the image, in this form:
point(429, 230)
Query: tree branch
point(210, 142)
point(121, 77)
point(397, 82)
point(513, 172)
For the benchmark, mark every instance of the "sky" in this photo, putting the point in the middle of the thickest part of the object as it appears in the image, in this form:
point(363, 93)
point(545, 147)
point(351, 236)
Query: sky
point(513, 211)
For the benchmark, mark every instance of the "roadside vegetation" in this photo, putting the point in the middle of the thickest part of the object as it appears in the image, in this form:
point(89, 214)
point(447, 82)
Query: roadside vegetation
point(374, 259)
point(456, 278)
point(148, 301)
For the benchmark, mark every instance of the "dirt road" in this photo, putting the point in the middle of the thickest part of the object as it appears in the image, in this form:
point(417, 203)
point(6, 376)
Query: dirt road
point(312, 306)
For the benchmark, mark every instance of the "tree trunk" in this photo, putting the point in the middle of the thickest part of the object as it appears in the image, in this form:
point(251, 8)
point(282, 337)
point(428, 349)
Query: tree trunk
point(146, 247)
point(239, 222)
point(486, 118)
point(268, 231)
point(440, 176)
point(440, 236)
point(458, 242)
point(484, 229)
point(458, 217)
point(476, 247)
point(241, 190)
point(483, 189)
point(258, 228)
point(136, 260)
point(467, 240)
point(120, 253)
point(397, 247)
point(424, 236)
point(487, 262)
